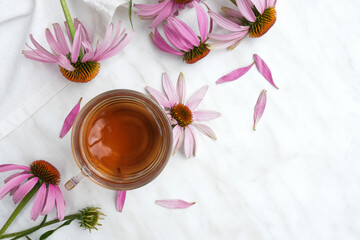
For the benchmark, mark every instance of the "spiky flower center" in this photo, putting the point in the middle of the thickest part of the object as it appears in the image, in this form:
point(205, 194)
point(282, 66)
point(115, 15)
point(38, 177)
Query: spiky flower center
point(182, 114)
point(45, 171)
point(182, 1)
point(89, 218)
point(263, 22)
point(196, 53)
point(84, 71)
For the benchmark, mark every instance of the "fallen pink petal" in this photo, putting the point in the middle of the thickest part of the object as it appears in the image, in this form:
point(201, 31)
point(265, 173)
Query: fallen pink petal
point(69, 120)
point(259, 107)
point(120, 200)
point(236, 74)
point(174, 203)
point(264, 69)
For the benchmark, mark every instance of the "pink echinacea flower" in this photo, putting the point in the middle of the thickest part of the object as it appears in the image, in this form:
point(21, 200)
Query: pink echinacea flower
point(185, 41)
point(184, 116)
point(78, 62)
point(161, 10)
point(40, 173)
point(253, 17)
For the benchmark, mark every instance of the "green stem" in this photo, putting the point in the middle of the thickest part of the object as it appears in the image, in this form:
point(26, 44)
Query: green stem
point(68, 18)
point(30, 230)
point(20, 206)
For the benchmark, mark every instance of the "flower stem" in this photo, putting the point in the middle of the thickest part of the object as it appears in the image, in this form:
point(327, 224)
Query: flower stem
point(68, 18)
point(30, 230)
point(20, 206)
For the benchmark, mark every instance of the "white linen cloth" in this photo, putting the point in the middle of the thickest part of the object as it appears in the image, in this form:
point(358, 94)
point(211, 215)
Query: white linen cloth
point(27, 85)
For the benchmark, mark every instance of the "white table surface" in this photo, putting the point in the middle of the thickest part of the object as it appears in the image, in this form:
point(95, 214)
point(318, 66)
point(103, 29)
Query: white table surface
point(296, 177)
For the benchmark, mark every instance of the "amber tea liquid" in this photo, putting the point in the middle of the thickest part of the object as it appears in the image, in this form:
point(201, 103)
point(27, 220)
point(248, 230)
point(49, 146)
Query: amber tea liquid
point(121, 139)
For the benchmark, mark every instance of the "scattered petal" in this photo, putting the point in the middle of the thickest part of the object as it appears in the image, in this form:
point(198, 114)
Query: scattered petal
point(234, 74)
point(174, 203)
point(259, 107)
point(69, 120)
point(264, 69)
point(120, 200)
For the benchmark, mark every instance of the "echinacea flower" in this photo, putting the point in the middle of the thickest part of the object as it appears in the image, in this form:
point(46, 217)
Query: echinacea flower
point(254, 17)
point(77, 59)
point(183, 115)
point(161, 10)
point(186, 42)
point(41, 175)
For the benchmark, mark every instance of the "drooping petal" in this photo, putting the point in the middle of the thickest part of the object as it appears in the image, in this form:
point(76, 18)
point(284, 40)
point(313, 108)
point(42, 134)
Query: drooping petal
point(120, 200)
point(229, 12)
point(70, 118)
point(188, 143)
point(245, 9)
point(259, 107)
point(116, 49)
point(224, 44)
point(165, 12)
point(161, 44)
point(203, 21)
point(16, 181)
point(60, 203)
point(205, 115)
point(226, 24)
point(194, 101)
point(65, 63)
point(205, 130)
point(39, 202)
point(106, 42)
point(159, 97)
point(234, 74)
point(10, 167)
point(178, 138)
point(193, 134)
point(24, 189)
point(52, 42)
point(50, 200)
point(260, 5)
point(169, 89)
point(41, 50)
point(264, 69)
point(89, 51)
point(174, 203)
point(61, 38)
point(76, 44)
point(180, 88)
point(14, 189)
point(176, 39)
point(184, 30)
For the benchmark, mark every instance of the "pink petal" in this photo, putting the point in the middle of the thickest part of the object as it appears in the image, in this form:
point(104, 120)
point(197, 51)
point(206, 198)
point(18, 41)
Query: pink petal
point(264, 69)
point(229, 12)
point(205, 130)
point(159, 97)
point(13, 183)
point(169, 89)
point(192, 131)
point(245, 9)
point(180, 87)
point(174, 203)
point(52, 42)
point(260, 5)
point(205, 115)
point(65, 63)
point(184, 30)
point(61, 38)
point(120, 200)
point(60, 203)
point(89, 51)
point(178, 138)
point(24, 189)
point(225, 44)
point(161, 44)
point(165, 12)
point(39, 202)
point(42, 51)
point(194, 101)
point(176, 39)
point(70, 118)
point(76, 44)
point(10, 167)
point(189, 143)
point(50, 200)
point(13, 176)
point(234, 74)
point(259, 107)
point(203, 21)
point(226, 24)
point(116, 49)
